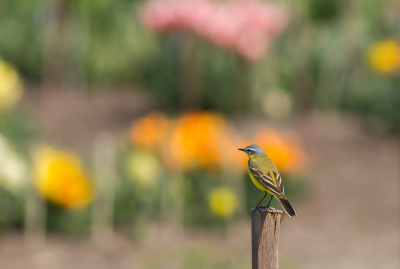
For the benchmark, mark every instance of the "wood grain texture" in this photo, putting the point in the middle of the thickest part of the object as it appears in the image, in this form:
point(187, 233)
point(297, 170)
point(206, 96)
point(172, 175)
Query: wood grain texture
point(265, 227)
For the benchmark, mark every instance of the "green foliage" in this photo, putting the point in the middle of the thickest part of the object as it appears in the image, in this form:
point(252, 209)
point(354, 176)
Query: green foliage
point(323, 10)
point(72, 222)
point(11, 210)
point(19, 128)
point(320, 58)
point(21, 35)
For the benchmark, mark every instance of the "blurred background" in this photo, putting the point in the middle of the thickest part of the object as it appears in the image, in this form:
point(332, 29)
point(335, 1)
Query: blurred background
point(120, 122)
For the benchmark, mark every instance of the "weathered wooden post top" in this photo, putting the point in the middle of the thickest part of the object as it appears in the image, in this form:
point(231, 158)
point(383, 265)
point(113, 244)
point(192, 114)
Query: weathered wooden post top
point(265, 227)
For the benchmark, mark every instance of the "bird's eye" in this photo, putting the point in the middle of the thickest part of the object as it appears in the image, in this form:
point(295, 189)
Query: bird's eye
point(250, 151)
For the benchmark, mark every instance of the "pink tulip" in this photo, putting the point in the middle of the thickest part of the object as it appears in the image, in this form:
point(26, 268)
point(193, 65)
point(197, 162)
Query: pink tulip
point(156, 16)
point(270, 18)
point(246, 26)
point(198, 14)
point(222, 28)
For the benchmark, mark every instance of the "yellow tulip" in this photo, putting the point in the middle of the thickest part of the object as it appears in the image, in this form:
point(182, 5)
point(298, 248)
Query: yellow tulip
point(60, 178)
point(384, 57)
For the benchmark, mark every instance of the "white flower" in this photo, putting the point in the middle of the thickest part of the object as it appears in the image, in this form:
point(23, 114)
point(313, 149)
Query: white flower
point(13, 170)
point(277, 104)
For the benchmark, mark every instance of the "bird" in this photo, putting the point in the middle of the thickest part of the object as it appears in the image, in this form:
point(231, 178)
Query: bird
point(266, 177)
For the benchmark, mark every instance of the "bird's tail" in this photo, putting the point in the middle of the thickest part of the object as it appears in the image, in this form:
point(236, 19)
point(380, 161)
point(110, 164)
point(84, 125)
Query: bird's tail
point(288, 207)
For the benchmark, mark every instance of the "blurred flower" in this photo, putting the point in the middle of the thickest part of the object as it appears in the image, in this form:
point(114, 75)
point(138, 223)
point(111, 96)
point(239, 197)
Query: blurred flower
point(283, 149)
point(246, 26)
point(10, 87)
point(13, 170)
point(206, 140)
point(144, 169)
point(384, 57)
point(196, 140)
point(60, 178)
point(150, 131)
point(223, 202)
point(261, 23)
point(277, 104)
point(193, 141)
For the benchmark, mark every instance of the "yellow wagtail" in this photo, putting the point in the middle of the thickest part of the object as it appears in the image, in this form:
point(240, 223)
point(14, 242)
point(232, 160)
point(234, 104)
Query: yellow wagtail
point(266, 177)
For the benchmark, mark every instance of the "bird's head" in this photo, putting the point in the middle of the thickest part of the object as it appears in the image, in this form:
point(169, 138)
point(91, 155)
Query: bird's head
point(253, 150)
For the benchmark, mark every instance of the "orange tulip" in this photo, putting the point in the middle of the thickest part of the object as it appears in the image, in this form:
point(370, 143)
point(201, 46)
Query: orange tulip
point(199, 140)
point(283, 149)
point(195, 141)
point(150, 131)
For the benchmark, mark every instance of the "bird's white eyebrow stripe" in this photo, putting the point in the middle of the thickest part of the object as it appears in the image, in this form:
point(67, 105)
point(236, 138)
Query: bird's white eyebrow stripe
point(250, 149)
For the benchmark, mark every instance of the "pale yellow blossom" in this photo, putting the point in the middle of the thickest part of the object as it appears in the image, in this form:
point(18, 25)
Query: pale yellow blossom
point(10, 87)
point(223, 202)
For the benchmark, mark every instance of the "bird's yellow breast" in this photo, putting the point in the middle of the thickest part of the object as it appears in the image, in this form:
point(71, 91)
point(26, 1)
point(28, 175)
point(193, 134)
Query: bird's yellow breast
point(257, 183)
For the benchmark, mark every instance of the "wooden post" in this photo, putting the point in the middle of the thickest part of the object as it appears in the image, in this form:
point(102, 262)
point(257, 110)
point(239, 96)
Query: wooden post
point(265, 227)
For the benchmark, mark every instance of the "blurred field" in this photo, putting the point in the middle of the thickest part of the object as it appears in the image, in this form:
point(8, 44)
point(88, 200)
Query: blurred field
point(120, 122)
point(348, 219)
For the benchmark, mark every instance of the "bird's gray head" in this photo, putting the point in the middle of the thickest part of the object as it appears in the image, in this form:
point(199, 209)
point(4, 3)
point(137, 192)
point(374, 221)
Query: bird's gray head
point(254, 150)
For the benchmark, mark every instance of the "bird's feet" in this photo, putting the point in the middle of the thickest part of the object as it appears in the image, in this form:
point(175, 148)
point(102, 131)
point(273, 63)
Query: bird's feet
point(257, 208)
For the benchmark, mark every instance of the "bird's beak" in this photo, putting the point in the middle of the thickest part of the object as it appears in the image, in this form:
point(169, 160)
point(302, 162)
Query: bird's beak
point(241, 149)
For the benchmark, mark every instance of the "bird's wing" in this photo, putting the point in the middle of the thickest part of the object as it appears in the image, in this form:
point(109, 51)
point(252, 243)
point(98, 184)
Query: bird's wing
point(278, 180)
point(265, 178)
